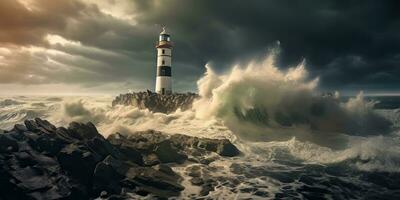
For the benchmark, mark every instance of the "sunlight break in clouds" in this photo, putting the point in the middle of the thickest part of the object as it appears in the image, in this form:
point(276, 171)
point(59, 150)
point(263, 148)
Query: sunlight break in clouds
point(56, 39)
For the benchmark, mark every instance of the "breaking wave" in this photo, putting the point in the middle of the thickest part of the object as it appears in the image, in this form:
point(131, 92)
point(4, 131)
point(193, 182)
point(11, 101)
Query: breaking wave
point(260, 100)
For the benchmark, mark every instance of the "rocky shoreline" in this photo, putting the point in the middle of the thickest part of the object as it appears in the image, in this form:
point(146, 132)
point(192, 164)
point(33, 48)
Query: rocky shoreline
point(41, 161)
point(155, 102)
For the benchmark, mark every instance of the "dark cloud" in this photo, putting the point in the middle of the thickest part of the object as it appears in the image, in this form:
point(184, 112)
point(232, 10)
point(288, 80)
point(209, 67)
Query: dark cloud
point(27, 26)
point(349, 44)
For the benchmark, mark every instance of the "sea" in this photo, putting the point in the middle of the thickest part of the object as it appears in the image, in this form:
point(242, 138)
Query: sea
point(294, 142)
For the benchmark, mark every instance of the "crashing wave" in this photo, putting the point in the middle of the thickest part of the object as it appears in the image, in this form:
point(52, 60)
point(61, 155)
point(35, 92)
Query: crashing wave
point(259, 96)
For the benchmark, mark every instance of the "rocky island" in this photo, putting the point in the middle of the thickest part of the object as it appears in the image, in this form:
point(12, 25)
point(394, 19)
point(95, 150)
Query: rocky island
point(41, 161)
point(156, 102)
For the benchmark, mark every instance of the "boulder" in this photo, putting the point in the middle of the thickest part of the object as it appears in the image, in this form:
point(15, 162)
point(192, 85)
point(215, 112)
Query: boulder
point(82, 131)
point(155, 182)
point(167, 153)
point(20, 128)
point(106, 178)
point(79, 162)
point(31, 125)
point(221, 146)
point(7, 144)
point(46, 125)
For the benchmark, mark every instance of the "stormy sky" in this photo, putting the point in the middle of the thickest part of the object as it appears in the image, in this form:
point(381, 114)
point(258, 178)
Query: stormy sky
point(107, 46)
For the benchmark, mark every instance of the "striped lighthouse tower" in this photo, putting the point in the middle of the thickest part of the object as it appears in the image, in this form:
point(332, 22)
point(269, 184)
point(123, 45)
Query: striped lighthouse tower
point(164, 49)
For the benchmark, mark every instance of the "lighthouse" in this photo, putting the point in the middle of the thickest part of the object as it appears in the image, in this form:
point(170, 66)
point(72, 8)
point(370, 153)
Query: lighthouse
point(164, 50)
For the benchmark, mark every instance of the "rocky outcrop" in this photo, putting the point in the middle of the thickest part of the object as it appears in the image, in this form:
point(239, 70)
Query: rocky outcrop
point(157, 147)
point(155, 102)
point(41, 161)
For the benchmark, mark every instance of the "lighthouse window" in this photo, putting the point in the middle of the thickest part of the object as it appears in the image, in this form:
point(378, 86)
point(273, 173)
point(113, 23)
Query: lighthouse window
point(163, 51)
point(164, 71)
point(163, 62)
point(164, 37)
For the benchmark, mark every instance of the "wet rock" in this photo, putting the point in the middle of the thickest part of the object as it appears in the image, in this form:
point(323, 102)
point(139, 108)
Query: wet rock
point(167, 153)
point(20, 128)
point(176, 148)
point(151, 159)
point(104, 148)
point(197, 181)
point(78, 161)
point(45, 124)
point(155, 102)
point(7, 144)
point(132, 154)
point(41, 161)
point(63, 134)
point(206, 189)
point(194, 171)
point(83, 131)
point(165, 169)
point(157, 183)
point(106, 179)
point(31, 125)
point(221, 146)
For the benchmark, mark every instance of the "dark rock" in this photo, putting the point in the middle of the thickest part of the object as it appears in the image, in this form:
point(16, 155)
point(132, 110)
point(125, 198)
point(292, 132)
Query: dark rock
point(45, 124)
point(206, 189)
point(31, 125)
point(103, 147)
point(226, 148)
point(165, 169)
point(64, 135)
point(82, 131)
point(106, 178)
point(79, 162)
point(49, 145)
point(194, 171)
point(156, 183)
point(7, 144)
point(20, 128)
point(158, 147)
point(131, 154)
point(103, 194)
point(223, 147)
point(16, 135)
point(41, 161)
point(151, 159)
point(197, 181)
point(155, 102)
point(167, 153)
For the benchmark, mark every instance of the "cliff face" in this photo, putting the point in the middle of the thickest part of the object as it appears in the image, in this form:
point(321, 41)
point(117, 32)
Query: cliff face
point(155, 102)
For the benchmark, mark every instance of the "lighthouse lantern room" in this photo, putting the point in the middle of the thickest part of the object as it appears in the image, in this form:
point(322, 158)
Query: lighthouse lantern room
point(164, 50)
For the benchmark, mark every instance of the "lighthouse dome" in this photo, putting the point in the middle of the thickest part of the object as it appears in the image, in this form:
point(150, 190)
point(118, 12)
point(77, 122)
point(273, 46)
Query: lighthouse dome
point(164, 36)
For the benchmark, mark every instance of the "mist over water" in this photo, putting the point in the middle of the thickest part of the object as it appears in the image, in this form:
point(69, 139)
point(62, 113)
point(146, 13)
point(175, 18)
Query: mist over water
point(294, 140)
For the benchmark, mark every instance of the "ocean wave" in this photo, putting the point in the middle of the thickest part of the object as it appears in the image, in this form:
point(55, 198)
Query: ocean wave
point(9, 102)
point(260, 99)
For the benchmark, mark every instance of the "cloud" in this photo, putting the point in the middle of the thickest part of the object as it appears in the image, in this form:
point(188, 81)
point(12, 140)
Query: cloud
point(103, 42)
